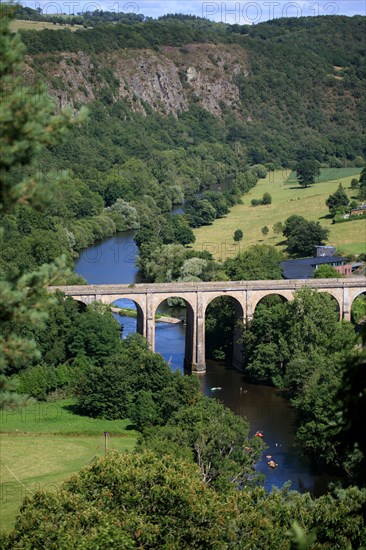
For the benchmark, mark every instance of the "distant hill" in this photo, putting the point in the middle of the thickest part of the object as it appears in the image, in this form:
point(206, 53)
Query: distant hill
point(284, 89)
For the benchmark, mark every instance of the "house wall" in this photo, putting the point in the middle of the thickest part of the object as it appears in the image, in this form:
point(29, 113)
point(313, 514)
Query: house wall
point(358, 212)
point(344, 269)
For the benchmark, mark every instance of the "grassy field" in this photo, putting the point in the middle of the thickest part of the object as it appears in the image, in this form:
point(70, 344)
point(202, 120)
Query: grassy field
point(18, 24)
point(329, 174)
point(287, 198)
point(44, 443)
point(57, 418)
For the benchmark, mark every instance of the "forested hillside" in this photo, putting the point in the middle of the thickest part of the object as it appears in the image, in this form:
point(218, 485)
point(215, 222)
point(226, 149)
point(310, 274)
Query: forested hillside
point(179, 106)
point(282, 89)
point(191, 480)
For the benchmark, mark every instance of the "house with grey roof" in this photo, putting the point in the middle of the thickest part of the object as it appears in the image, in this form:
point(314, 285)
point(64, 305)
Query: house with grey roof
point(304, 268)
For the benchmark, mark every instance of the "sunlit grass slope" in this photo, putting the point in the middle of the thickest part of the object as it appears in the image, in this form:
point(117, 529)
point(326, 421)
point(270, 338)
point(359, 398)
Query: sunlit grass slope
point(287, 198)
point(44, 444)
point(18, 24)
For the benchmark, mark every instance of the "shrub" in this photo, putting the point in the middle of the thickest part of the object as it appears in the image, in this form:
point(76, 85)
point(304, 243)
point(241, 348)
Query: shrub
point(339, 218)
point(259, 170)
point(40, 380)
point(145, 411)
point(326, 272)
point(278, 228)
point(238, 235)
point(266, 199)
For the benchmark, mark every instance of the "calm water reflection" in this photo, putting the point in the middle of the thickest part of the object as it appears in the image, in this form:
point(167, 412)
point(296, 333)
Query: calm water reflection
point(112, 261)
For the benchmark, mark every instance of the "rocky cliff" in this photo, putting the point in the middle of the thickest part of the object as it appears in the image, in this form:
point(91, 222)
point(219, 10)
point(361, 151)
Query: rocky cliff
point(164, 81)
point(284, 89)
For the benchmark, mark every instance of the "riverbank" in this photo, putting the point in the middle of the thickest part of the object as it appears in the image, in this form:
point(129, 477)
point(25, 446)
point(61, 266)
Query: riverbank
point(128, 312)
point(288, 198)
point(112, 261)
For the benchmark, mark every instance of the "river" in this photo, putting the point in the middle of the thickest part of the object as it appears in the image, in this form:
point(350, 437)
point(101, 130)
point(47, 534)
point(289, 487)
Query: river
point(113, 261)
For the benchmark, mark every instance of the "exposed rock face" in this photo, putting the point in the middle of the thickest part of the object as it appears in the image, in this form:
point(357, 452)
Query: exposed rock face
point(210, 72)
point(165, 81)
point(153, 79)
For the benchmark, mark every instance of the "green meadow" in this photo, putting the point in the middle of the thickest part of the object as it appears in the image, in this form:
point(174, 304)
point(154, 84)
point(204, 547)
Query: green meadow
point(45, 443)
point(18, 24)
point(287, 198)
point(329, 174)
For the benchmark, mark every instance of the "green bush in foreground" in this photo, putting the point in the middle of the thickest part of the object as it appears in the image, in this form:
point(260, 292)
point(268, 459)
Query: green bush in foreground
point(148, 500)
point(131, 501)
point(40, 380)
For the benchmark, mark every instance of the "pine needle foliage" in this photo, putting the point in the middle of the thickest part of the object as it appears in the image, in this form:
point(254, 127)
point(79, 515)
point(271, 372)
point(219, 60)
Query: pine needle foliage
point(27, 125)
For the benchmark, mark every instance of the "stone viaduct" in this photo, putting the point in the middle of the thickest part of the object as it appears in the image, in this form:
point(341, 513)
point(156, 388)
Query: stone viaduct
point(197, 296)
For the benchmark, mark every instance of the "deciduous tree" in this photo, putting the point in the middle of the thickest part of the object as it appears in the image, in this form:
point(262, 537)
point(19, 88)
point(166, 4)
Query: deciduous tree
point(303, 235)
point(143, 500)
point(306, 172)
point(256, 262)
point(326, 272)
point(216, 439)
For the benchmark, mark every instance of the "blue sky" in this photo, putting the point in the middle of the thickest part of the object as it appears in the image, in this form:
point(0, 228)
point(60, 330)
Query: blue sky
point(242, 12)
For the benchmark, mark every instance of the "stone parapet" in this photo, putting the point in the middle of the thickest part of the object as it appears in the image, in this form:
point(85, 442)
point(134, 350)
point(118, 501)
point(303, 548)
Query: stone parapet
point(246, 296)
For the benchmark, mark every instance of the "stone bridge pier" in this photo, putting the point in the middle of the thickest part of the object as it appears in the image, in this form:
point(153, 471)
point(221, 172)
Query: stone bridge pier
point(245, 296)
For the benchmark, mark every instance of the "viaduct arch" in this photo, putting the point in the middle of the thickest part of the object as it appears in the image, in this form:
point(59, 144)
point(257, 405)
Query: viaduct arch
point(245, 294)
